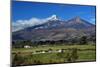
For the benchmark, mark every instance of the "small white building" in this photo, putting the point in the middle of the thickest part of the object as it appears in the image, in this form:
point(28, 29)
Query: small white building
point(27, 46)
point(60, 50)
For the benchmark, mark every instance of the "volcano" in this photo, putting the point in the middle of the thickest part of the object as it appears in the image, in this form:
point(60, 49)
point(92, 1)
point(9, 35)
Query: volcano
point(56, 29)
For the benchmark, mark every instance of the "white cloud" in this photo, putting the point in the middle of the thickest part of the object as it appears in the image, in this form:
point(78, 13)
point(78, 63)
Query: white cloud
point(93, 20)
point(21, 24)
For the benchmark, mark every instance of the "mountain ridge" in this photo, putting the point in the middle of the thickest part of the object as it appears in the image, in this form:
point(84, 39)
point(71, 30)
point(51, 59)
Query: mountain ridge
point(56, 29)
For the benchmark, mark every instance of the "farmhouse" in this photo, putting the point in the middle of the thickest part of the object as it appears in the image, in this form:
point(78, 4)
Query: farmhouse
point(27, 46)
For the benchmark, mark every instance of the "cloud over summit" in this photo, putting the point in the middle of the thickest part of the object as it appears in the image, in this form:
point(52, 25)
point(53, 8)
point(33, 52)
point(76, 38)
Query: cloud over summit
point(21, 24)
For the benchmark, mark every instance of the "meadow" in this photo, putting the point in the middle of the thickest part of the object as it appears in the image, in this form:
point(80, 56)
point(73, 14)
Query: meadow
point(53, 54)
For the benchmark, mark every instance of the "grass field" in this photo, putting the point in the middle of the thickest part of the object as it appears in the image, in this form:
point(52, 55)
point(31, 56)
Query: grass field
point(82, 53)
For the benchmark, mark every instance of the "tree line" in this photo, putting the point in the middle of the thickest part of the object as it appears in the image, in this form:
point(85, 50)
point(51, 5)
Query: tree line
point(80, 41)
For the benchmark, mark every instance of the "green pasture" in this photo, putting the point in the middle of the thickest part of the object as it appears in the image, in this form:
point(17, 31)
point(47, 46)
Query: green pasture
point(25, 56)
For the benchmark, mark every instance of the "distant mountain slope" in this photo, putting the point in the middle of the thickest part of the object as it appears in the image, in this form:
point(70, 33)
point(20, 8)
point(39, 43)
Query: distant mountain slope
point(56, 29)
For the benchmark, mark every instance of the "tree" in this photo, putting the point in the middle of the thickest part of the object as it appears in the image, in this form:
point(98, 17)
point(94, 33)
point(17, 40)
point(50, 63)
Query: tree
point(18, 59)
point(68, 57)
point(83, 40)
point(74, 55)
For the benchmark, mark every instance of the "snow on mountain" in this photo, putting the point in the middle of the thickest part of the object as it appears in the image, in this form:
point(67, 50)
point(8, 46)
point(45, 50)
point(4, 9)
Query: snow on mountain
point(53, 17)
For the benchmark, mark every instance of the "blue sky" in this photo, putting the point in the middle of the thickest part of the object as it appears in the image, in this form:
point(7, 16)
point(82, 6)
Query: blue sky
point(24, 11)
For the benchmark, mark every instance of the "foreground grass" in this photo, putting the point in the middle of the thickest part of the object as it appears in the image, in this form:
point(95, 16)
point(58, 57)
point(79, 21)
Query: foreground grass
point(85, 53)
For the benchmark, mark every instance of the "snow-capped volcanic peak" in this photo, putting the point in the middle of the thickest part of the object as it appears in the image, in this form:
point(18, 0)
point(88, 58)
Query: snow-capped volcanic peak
point(53, 17)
